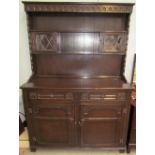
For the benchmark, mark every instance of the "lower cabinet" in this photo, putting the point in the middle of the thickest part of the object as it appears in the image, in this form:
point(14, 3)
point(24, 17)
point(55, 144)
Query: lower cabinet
point(68, 122)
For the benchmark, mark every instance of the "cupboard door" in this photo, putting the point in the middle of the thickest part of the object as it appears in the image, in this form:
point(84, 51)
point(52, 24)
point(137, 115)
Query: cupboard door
point(57, 129)
point(100, 126)
point(54, 132)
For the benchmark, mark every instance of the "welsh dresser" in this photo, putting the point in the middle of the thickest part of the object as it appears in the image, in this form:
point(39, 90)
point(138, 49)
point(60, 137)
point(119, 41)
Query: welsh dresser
point(77, 95)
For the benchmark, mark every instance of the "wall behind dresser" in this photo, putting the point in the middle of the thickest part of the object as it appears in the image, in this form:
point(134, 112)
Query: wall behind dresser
point(24, 58)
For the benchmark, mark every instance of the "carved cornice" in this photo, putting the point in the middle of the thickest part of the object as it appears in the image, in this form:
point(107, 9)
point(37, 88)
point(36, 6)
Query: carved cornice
point(84, 8)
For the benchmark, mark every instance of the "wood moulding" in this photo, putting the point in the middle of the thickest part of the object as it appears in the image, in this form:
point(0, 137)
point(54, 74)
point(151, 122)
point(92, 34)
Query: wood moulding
point(78, 7)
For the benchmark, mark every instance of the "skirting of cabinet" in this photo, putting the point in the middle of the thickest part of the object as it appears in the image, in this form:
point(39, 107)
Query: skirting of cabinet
point(49, 146)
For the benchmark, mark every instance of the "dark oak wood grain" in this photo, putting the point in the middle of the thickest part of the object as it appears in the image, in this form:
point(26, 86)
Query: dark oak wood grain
point(78, 7)
point(77, 95)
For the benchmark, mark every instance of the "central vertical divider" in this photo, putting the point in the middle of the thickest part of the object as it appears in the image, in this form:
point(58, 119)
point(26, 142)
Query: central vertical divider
point(77, 119)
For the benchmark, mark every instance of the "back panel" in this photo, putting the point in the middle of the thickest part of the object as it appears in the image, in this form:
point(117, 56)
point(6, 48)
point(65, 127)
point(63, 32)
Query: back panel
point(78, 65)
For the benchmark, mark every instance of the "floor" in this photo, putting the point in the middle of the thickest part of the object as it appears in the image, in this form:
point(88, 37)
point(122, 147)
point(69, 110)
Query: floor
point(24, 149)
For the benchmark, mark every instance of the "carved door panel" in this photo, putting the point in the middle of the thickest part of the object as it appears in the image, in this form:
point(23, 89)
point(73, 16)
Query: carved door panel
point(54, 124)
point(113, 42)
point(44, 41)
point(100, 126)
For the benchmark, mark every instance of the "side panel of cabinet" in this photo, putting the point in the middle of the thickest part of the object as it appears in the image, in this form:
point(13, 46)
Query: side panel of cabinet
point(100, 126)
point(29, 119)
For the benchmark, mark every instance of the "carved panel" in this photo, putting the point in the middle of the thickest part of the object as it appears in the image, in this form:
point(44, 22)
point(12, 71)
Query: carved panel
point(43, 41)
point(98, 8)
point(82, 43)
point(102, 96)
point(113, 42)
point(40, 96)
point(50, 96)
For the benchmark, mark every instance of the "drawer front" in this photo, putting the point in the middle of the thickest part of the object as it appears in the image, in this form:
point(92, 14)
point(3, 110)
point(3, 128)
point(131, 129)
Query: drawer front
point(53, 110)
point(100, 112)
point(50, 95)
point(104, 96)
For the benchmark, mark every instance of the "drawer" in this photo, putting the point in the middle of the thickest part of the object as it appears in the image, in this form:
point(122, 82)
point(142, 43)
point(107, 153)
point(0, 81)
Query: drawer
point(54, 110)
point(50, 95)
point(105, 112)
point(104, 96)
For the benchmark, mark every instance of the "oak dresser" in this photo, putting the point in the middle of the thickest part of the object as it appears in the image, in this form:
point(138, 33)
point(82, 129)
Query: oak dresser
point(77, 95)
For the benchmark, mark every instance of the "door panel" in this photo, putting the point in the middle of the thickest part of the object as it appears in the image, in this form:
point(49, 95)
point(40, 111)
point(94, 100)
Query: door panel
point(100, 132)
point(54, 131)
point(101, 125)
point(54, 124)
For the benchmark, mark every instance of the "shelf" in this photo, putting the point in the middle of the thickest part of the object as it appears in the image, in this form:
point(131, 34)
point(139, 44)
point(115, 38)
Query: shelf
point(77, 53)
point(107, 31)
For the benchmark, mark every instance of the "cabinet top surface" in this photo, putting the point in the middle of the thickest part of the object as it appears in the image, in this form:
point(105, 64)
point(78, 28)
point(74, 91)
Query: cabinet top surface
point(76, 2)
point(76, 83)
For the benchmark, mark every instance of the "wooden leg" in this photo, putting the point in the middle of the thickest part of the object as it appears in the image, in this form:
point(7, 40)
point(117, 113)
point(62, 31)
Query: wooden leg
point(33, 148)
point(122, 151)
point(128, 149)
